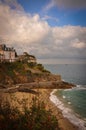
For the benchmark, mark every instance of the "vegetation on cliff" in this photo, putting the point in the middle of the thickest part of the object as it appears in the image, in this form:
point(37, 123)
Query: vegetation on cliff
point(20, 72)
point(37, 117)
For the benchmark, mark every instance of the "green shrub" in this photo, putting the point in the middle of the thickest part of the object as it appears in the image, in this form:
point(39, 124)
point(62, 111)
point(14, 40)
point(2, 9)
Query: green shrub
point(31, 64)
point(41, 68)
point(46, 71)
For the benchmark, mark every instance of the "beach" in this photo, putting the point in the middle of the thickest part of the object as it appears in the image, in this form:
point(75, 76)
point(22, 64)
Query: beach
point(63, 122)
point(44, 95)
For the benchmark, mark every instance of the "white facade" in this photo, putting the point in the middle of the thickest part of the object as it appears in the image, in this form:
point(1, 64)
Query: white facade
point(7, 54)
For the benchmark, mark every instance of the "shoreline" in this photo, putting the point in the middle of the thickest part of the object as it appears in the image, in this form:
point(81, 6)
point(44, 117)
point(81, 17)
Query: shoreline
point(64, 123)
point(67, 112)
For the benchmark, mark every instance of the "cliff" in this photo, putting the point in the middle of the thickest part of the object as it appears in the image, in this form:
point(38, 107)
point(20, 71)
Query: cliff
point(24, 72)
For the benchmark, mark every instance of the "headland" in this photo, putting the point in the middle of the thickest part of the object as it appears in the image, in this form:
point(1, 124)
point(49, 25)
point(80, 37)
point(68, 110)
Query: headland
point(29, 79)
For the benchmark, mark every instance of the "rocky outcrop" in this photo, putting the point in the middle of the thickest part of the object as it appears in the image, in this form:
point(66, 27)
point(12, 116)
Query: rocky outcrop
point(29, 87)
point(46, 77)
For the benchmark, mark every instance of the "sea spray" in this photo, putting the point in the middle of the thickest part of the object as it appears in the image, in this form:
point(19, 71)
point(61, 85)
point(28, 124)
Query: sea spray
point(67, 112)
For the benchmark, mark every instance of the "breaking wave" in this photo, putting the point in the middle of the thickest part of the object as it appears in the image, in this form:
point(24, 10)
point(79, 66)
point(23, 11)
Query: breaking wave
point(67, 112)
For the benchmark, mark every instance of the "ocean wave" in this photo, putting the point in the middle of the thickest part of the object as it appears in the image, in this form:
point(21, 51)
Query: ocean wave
point(81, 86)
point(78, 87)
point(67, 112)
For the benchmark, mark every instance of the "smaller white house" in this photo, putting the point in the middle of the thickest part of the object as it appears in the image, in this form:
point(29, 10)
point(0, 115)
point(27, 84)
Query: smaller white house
point(7, 54)
point(26, 57)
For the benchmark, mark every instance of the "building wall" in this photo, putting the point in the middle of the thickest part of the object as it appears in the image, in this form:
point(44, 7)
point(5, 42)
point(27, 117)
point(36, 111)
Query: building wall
point(1, 52)
point(1, 55)
point(12, 55)
point(7, 54)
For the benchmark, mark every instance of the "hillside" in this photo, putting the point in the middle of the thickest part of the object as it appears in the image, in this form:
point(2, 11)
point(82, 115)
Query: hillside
point(23, 72)
point(22, 77)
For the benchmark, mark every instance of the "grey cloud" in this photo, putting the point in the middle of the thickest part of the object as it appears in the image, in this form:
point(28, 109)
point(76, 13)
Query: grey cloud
point(66, 4)
point(71, 3)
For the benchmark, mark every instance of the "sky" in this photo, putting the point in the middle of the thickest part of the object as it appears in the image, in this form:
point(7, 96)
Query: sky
point(52, 30)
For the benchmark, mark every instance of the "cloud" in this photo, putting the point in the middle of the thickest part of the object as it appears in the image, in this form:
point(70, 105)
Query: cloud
point(26, 32)
point(47, 17)
point(20, 27)
point(50, 5)
point(77, 44)
point(66, 43)
point(66, 4)
point(71, 3)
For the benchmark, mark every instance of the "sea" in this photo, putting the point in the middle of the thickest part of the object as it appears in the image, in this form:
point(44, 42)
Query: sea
point(72, 102)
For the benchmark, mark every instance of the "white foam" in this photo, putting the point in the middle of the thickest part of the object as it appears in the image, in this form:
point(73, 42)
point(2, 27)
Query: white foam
point(69, 103)
point(67, 112)
point(80, 87)
point(69, 89)
point(64, 96)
